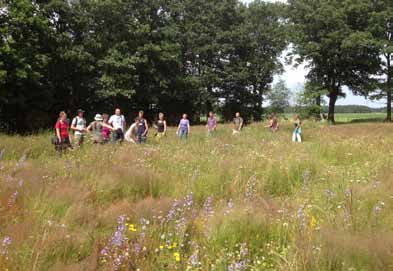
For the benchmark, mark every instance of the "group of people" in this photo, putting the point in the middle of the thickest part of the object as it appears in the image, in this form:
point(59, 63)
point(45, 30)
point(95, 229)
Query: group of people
point(106, 129)
point(274, 126)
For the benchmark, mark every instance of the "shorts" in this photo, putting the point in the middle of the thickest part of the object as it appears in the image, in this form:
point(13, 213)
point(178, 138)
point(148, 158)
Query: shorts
point(78, 139)
point(183, 133)
point(63, 145)
point(118, 135)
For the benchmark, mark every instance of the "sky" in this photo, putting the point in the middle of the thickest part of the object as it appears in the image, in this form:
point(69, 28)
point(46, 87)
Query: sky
point(295, 78)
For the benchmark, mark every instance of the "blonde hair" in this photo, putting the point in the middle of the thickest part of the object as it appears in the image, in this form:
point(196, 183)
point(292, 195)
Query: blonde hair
point(62, 114)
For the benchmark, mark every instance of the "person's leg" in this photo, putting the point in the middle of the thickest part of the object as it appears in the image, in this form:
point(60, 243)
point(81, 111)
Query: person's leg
point(78, 140)
point(294, 137)
point(121, 136)
point(299, 137)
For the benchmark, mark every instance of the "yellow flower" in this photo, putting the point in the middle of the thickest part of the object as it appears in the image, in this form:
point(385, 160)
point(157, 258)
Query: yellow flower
point(161, 247)
point(313, 222)
point(177, 256)
point(169, 247)
point(174, 244)
point(131, 227)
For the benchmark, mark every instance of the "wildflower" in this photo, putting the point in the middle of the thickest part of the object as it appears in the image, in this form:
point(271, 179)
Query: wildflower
point(132, 228)
point(177, 256)
point(313, 222)
point(161, 247)
point(4, 246)
point(208, 207)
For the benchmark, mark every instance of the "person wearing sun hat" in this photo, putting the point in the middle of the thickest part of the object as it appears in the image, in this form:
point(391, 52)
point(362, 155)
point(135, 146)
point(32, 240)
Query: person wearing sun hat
point(78, 125)
point(95, 129)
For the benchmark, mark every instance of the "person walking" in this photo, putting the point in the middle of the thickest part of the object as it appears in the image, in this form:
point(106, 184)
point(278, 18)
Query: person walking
point(211, 124)
point(297, 133)
point(118, 123)
point(183, 130)
point(78, 125)
point(237, 124)
point(143, 128)
point(105, 130)
point(161, 126)
point(272, 123)
point(96, 127)
point(63, 139)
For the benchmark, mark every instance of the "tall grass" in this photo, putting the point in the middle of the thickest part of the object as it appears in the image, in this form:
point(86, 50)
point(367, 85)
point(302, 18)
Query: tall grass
point(249, 202)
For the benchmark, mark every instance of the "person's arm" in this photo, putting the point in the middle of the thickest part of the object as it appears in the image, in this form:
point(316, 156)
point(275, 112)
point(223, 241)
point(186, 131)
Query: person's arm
point(108, 126)
point(73, 126)
point(58, 134)
point(147, 128)
point(215, 125)
point(188, 127)
point(241, 124)
point(88, 129)
point(165, 127)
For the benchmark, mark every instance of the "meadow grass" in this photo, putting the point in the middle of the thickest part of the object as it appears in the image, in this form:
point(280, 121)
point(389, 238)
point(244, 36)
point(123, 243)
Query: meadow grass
point(250, 202)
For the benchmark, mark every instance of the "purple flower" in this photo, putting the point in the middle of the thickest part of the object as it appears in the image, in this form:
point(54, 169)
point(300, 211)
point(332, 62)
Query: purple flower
point(208, 207)
point(4, 245)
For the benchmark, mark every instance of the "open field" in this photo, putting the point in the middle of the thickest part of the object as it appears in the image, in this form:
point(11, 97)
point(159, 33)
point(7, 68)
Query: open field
point(251, 202)
point(360, 117)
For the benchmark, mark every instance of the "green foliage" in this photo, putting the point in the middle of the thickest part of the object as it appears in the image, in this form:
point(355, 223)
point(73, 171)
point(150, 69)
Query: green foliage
point(279, 97)
point(332, 37)
point(173, 56)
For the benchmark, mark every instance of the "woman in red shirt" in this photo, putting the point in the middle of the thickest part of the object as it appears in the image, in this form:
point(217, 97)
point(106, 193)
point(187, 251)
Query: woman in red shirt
point(63, 138)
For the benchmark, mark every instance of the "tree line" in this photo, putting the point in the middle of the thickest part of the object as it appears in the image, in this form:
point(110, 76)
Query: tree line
point(181, 56)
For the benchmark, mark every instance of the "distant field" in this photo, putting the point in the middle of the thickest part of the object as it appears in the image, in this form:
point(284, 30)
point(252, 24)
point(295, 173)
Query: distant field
point(360, 117)
point(250, 202)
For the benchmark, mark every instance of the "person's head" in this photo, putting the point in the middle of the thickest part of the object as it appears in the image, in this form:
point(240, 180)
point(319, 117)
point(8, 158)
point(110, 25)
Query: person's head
point(237, 114)
point(211, 114)
point(80, 113)
point(136, 120)
point(117, 112)
point(105, 117)
point(296, 117)
point(184, 116)
point(140, 114)
point(161, 116)
point(98, 118)
point(62, 116)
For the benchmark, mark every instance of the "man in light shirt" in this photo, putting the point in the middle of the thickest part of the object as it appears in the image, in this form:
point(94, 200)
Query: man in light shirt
point(78, 125)
point(118, 123)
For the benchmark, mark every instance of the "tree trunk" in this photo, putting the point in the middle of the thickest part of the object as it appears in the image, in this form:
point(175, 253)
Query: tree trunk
point(388, 92)
point(332, 103)
point(318, 104)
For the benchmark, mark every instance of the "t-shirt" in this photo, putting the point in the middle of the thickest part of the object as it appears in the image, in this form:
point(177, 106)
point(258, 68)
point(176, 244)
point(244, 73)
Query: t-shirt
point(79, 123)
point(238, 121)
point(184, 124)
point(211, 123)
point(97, 130)
point(118, 122)
point(63, 127)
